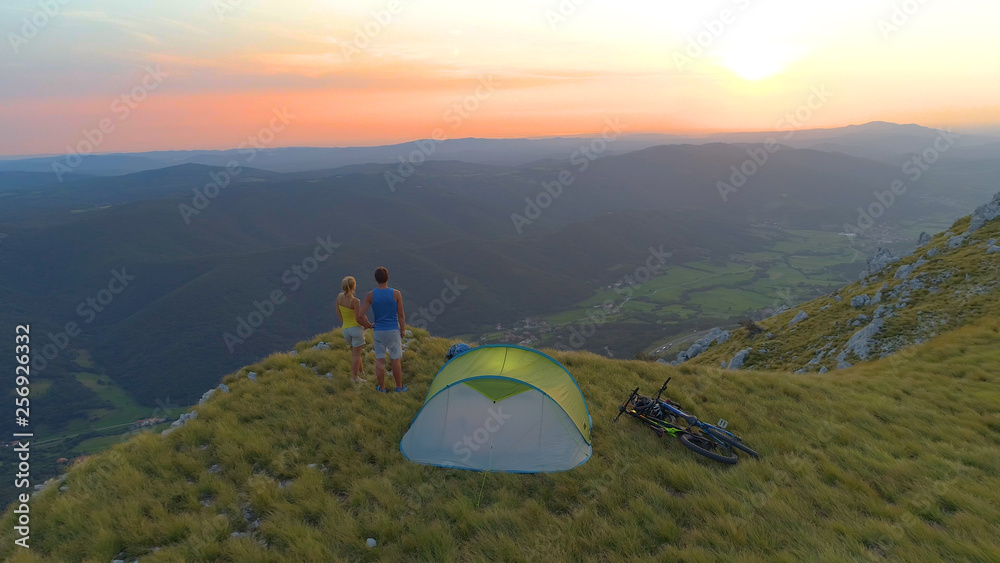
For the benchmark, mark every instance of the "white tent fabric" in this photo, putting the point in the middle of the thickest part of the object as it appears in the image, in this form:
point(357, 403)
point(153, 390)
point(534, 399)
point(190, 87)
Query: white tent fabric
point(463, 428)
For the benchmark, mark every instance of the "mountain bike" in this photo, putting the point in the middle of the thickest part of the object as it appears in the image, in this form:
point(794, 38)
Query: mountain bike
point(666, 417)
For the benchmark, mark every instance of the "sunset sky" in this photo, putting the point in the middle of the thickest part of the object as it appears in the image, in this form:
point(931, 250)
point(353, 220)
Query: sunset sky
point(557, 67)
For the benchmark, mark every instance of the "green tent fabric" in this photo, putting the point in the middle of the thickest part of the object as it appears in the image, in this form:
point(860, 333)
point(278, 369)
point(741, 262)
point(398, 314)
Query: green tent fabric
point(501, 408)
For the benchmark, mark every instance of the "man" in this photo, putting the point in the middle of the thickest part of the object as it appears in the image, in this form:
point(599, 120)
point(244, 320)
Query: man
point(390, 327)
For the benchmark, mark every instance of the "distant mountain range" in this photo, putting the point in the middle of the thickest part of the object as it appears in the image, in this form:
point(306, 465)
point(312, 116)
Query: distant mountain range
point(526, 227)
point(876, 140)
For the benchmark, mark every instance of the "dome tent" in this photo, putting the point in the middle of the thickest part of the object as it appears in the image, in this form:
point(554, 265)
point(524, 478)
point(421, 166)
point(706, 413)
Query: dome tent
point(501, 408)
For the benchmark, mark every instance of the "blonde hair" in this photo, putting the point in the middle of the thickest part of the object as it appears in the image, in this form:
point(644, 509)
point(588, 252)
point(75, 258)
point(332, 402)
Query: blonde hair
point(348, 285)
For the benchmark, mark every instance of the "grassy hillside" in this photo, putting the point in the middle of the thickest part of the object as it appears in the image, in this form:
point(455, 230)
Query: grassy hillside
point(893, 459)
point(953, 282)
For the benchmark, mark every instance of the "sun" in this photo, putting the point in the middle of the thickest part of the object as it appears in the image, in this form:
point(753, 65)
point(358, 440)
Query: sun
point(755, 62)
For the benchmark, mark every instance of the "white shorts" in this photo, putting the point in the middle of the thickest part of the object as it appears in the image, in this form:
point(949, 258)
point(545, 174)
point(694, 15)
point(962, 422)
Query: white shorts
point(355, 336)
point(388, 340)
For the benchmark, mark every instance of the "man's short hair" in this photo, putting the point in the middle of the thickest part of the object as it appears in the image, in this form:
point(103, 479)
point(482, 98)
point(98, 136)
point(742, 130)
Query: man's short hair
point(381, 275)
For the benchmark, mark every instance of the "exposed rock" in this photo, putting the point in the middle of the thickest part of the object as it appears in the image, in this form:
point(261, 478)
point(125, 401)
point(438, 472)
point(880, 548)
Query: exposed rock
point(206, 396)
point(924, 239)
point(714, 335)
point(739, 359)
point(956, 241)
point(919, 263)
point(860, 301)
point(837, 298)
point(903, 272)
point(803, 370)
point(215, 469)
point(293, 353)
point(181, 421)
point(862, 341)
point(408, 333)
point(223, 387)
point(662, 361)
point(321, 346)
point(799, 317)
point(824, 369)
point(844, 365)
point(882, 258)
point(769, 336)
point(932, 252)
point(984, 213)
point(993, 249)
point(252, 376)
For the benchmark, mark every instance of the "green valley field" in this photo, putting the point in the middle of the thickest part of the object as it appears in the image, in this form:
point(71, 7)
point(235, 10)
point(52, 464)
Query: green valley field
point(655, 316)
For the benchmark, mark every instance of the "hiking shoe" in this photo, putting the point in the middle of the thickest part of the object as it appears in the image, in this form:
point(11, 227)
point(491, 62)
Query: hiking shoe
point(401, 389)
point(381, 389)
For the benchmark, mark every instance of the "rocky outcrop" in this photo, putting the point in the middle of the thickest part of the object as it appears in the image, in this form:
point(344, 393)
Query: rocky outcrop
point(799, 317)
point(860, 301)
point(861, 342)
point(714, 335)
point(878, 262)
point(984, 213)
point(739, 359)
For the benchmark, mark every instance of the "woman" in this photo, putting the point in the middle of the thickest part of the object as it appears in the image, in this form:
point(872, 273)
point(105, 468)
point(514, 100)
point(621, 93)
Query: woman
point(354, 323)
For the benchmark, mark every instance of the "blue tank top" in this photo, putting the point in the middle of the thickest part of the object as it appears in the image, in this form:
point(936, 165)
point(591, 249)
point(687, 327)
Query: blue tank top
point(384, 307)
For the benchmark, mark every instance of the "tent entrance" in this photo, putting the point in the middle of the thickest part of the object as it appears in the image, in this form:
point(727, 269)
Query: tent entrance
point(464, 428)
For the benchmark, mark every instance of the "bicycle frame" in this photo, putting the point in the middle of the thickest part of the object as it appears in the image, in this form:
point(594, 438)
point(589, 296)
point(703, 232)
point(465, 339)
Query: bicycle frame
point(674, 409)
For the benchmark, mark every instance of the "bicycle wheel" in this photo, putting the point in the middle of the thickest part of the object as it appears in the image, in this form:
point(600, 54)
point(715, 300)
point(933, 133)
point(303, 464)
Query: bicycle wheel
point(707, 448)
point(732, 441)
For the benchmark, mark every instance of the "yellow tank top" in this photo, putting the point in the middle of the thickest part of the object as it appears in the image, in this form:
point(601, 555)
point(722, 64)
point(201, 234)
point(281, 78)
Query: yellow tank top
point(348, 314)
